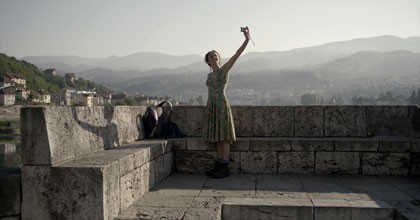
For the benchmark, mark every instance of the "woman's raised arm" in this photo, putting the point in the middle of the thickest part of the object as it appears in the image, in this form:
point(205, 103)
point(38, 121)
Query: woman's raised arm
point(227, 66)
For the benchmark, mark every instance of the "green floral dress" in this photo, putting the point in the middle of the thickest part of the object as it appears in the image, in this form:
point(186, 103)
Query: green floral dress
point(218, 115)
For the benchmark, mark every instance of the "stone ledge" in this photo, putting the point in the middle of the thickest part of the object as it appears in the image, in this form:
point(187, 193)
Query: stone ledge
point(100, 184)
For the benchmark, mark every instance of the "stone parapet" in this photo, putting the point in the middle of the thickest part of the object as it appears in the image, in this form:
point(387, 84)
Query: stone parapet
point(361, 156)
point(310, 121)
point(52, 135)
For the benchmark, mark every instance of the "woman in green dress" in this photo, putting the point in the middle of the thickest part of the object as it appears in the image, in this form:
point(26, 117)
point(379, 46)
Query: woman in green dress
point(219, 128)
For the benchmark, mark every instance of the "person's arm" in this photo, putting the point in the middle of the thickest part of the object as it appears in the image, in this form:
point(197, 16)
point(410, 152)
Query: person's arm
point(227, 66)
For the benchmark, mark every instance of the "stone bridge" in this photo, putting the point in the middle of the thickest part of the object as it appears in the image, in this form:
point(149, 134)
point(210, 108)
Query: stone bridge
point(94, 163)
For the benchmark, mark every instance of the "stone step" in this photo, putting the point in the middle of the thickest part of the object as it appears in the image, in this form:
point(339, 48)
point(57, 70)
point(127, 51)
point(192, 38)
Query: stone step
point(262, 196)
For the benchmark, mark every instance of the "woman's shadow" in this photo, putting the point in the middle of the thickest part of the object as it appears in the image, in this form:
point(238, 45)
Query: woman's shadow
point(108, 133)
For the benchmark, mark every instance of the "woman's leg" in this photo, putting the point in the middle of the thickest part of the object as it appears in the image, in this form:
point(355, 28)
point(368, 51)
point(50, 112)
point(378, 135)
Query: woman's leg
point(224, 148)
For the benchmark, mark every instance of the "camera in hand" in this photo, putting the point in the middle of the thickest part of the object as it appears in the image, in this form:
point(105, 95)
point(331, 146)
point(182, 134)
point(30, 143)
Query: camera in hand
point(244, 29)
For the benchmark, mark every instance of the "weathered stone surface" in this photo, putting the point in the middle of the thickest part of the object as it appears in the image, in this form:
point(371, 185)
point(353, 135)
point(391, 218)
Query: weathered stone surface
point(350, 144)
point(127, 190)
point(312, 144)
point(309, 121)
point(194, 161)
point(415, 146)
point(241, 144)
point(296, 162)
point(331, 209)
point(159, 167)
point(189, 119)
point(259, 162)
point(394, 145)
point(55, 134)
point(270, 121)
point(386, 163)
point(111, 191)
point(56, 193)
point(345, 121)
point(126, 164)
point(169, 164)
point(242, 117)
point(10, 193)
point(415, 164)
point(179, 144)
point(141, 157)
point(269, 144)
point(337, 162)
point(387, 121)
point(197, 144)
point(414, 120)
point(254, 208)
point(35, 146)
point(232, 186)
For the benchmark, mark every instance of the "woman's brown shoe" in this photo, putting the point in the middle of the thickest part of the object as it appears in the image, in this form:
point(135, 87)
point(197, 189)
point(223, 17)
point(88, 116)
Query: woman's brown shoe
point(222, 172)
point(214, 170)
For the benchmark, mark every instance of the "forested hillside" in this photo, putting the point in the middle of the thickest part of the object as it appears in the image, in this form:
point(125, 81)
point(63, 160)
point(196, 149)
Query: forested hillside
point(36, 79)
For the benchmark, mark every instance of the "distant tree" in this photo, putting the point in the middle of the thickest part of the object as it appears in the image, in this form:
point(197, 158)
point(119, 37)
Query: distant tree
point(413, 98)
point(418, 97)
point(200, 100)
point(308, 99)
point(130, 101)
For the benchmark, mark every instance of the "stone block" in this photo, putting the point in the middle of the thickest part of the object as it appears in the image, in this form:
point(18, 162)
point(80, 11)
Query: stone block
point(414, 120)
point(241, 144)
point(197, 144)
point(53, 135)
point(394, 145)
point(258, 162)
point(415, 146)
point(350, 144)
point(267, 208)
point(337, 162)
point(387, 121)
point(189, 119)
point(10, 194)
point(34, 136)
point(296, 162)
point(159, 167)
point(269, 144)
point(194, 161)
point(272, 121)
point(126, 164)
point(141, 157)
point(242, 117)
point(234, 162)
point(111, 189)
point(169, 164)
point(64, 193)
point(415, 164)
point(180, 117)
point(345, 121)
point(332, 213)
point(309, 121)
point(179, 144)
point(125, 120)
point(397, 164)
point(127, 190)
point(312, 144)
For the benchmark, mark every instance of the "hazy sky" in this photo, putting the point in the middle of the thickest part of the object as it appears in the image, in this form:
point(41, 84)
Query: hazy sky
point(102, 28)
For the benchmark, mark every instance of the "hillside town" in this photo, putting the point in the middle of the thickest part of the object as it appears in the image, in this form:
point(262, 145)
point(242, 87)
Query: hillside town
point(14, 91)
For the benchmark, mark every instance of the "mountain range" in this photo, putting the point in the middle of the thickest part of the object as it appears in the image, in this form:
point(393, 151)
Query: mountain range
point(323, 67)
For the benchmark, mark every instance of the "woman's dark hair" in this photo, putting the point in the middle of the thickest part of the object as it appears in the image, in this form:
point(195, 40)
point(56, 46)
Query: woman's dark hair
point(206, 58)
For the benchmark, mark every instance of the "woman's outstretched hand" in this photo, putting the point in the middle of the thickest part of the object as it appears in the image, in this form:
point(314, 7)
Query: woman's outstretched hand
point(245, 30)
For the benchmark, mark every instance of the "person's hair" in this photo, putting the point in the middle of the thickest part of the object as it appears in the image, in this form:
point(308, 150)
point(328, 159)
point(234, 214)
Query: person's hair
point(206, 58)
